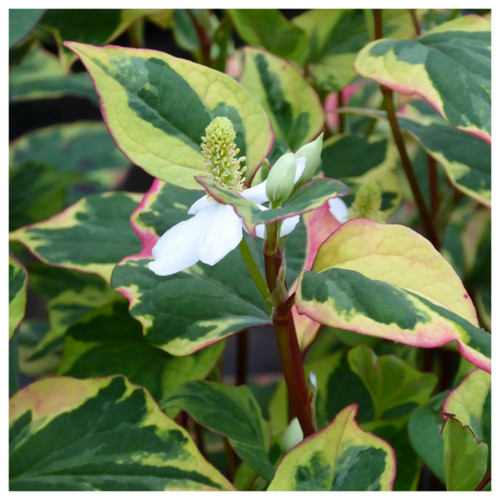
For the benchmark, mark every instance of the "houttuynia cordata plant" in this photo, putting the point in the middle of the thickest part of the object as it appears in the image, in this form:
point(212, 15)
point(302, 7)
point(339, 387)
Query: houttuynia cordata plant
point(250, 250)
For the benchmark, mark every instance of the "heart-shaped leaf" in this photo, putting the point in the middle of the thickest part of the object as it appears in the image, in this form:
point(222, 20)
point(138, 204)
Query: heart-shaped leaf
point(225, 304)
point(100, 434)
point(340, 457)
point(157, 107)
point(392, 383)
point(449, 66)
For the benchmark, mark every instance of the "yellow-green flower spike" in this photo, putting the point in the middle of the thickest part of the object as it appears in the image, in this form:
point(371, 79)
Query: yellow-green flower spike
point(368, 202)
point(220, 153)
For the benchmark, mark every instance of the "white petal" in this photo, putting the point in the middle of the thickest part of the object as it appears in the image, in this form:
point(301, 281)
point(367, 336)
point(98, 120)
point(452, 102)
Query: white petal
point(289, 225)
point(177, 249)
point(338, 209)
point(257, 194)
point(301, 166)
point(221, 233)
point(200, 204)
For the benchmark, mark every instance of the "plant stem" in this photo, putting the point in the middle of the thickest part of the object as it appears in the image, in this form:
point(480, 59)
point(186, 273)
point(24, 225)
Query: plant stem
point(284, 329)
point(405, 161)
point(205, 41)
point(414, 18)
point(400, 144)
point(254, 272)
point(433, 185)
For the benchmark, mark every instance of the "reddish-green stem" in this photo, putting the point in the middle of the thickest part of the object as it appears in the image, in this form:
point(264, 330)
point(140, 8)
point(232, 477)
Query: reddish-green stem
point(286, 336)
point(387, 93)
point(433, 186)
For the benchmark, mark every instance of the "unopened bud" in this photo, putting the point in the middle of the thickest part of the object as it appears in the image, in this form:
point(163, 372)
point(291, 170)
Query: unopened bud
point(281, 178)
point(312, 153)
point(368, 202)
point(292, 436)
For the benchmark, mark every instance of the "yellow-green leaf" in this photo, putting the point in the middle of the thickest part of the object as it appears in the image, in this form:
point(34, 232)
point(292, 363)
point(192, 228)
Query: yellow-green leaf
point(157, 107)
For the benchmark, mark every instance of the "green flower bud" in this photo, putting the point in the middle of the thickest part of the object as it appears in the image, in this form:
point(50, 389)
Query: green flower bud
point(368, 202)
point(281, 178)
point(312, 153)
point(292, 436)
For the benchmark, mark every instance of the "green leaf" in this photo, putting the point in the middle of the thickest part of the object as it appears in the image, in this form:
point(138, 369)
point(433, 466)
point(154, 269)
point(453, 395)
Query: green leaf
point(69, 296)
point(397, 255)
point(449, 66)
point(40, 76)
point(92, 235)
point(269, 29)
point(354, 158)
point(54, 167)
point(18, 280)
point(293, 106)
point(347, 299)
point(393, 384)
point(470, 403)
point(340, 457)
point(157, 107)
point(466, 159)
point(225, 304)
point(307, 198)
point(108, 341)
point(100, 434)
point(232, 412)
point(465, 458)
point(88, 26)
point(424, 430)
point(407, 461)
point(335, 37)
point(21, 23)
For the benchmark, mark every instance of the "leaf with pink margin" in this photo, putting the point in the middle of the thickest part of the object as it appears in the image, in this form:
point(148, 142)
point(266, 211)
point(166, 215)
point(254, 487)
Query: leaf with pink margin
point(157, 107)
point(320, 224)
point(339, 457)
point(388, 281)
point(190, 310)
point(91, 236)
point(457, 51)
point(306, 199)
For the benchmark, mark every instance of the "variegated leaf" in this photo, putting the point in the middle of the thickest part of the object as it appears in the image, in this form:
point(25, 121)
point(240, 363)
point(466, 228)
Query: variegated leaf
point(347, 299)
point(92, 235)
point(88, 26)
point(449, 66)
point(100, 434)
point(340, 457)
point(108, 341)
point(307, 198)
point(53, 167)
point(293, 106)
point(18, 280)
point(225, 303)
point(40, 76)
point(157, 107)
point(335, 37)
